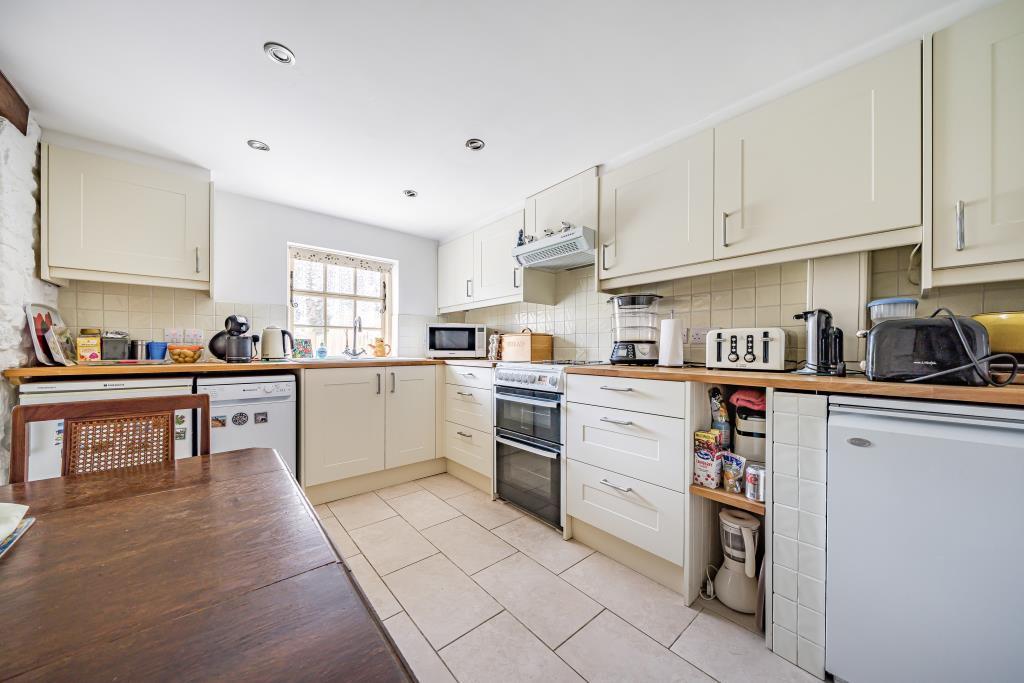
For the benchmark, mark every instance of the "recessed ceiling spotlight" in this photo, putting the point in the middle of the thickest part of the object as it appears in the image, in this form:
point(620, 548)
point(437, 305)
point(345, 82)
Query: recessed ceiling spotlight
point(475, 144)
point(258, 145)
point(410, 193)
point(278, 53)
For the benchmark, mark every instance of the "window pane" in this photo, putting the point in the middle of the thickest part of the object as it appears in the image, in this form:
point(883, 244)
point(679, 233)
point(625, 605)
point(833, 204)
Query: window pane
point(366, 338)
point(368, 283)
point(336, 340)
point(340, 312)
point(314, 334)
point(308, 275)
point(340, 280)
point(309, 310)
point(369, 312)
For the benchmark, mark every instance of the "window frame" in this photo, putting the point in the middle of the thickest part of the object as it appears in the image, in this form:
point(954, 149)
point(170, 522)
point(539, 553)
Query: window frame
point(326, 257)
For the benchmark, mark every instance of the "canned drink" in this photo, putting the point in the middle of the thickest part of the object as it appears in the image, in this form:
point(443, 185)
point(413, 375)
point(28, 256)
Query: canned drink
point(755, 482)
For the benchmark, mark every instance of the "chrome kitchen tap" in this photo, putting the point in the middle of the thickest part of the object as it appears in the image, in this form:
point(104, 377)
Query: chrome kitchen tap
point(357, 327)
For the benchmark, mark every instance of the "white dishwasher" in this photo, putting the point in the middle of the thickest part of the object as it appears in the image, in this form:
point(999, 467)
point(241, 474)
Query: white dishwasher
point(252, 411)
point(925, 541)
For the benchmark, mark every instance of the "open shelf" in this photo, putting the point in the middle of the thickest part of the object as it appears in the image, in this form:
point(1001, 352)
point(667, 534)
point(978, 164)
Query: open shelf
point(736, 500)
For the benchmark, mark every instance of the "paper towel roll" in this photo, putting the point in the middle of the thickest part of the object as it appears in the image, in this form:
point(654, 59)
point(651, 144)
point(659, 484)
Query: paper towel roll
point(670, 345)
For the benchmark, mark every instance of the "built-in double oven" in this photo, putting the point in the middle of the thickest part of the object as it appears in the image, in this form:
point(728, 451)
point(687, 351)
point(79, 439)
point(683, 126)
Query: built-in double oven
point(528, 465)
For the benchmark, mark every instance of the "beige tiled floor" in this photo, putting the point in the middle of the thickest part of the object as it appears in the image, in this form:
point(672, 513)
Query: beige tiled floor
point(472, 590)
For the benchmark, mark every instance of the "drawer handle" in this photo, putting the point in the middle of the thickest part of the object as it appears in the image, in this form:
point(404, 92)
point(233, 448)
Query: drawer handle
point(624, 423)
point(467, 374)
point(617, 388)
point(464, 393)
point(468, 436)
point(624, 489)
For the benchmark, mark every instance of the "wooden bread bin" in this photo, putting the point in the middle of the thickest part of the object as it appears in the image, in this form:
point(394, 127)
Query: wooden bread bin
point(527, 346)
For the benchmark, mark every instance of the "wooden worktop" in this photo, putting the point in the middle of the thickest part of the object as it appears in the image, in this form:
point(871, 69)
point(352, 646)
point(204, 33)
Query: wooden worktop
point(44, 372)
point(857, 384)
point(213, 568)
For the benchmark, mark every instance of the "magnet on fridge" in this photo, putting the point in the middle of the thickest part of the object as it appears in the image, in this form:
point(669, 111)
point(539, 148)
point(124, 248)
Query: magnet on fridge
point(218, 421)
point(260, 418)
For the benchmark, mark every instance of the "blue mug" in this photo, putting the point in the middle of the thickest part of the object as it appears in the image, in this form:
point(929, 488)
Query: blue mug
point(156, 350)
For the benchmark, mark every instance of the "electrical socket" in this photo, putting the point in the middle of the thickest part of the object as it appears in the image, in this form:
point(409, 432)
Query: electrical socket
point(698, 335)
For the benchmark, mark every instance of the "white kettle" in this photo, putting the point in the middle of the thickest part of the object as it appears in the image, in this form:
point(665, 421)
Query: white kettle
point(272, 346)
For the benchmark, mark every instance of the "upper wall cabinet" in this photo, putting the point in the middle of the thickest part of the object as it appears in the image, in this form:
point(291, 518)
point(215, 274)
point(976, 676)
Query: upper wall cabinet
point(115, 221)
point(840, 158)
point(656, 212)
point(478, 270)
point(573, 200)
point(978, 210)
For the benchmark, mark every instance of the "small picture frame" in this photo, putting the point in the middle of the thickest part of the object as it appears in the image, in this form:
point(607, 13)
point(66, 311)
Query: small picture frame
point(303, 348)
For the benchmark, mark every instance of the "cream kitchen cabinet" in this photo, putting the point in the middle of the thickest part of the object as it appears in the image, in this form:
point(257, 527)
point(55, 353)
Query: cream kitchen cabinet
point(361, 420)
point(469, 435)
point(455, 273)
point(656, 212)
point(840, 158)
point(573, 201)
point(111, 220)
point(495, 273)
point(978, 143)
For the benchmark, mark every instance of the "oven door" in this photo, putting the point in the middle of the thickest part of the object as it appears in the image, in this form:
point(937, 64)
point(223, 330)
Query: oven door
point(529, 413)
point(529, 475)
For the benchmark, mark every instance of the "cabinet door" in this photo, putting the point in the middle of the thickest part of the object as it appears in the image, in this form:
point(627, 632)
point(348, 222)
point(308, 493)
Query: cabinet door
point(495, 272)
point(455, 272)
point(573, 200)
point(343, 416)
point(979, 138)
point(112, 216)
point(656, 212)
point(410, 414)
point(840, 158)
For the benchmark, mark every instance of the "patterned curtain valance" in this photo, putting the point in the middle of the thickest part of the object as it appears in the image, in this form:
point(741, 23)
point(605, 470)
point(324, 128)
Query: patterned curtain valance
point(339, 259)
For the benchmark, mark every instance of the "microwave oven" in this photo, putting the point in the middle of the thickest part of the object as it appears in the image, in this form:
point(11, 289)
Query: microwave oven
point(456, 340)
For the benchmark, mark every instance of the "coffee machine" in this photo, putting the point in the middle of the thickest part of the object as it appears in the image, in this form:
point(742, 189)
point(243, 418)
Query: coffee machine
point(824, 344)
point(232, 344)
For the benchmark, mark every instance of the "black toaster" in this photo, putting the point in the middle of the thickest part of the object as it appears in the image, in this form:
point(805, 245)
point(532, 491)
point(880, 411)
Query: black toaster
point(907, 349)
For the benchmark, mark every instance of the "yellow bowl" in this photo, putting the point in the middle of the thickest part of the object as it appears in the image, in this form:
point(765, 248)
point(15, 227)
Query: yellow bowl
point(1005, 331)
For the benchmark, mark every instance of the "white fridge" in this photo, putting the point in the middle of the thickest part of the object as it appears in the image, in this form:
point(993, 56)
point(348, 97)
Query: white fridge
point(46, 439)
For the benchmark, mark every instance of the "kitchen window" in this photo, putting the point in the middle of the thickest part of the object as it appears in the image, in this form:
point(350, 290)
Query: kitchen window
point(328, 290)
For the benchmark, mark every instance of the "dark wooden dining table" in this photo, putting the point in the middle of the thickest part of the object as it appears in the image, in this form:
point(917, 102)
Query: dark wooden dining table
point(213, 568)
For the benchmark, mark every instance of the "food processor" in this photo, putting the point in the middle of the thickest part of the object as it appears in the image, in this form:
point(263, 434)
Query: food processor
point(634, 329)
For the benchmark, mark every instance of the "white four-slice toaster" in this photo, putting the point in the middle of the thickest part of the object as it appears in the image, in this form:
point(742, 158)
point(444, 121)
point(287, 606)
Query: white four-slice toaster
point(747, 348)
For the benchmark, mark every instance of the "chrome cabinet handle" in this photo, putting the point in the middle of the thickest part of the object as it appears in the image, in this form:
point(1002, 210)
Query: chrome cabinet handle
point(617, 388)
point(859, 442)
point(515, 278)
point(961, 235)
point(624, 423)
point(467, 374)
point(725, 228)
point(197, 259)
point(469, 290)
point(464, 393)
point(468, 436)
point(624, 489)
point(378, 382)
point(394, 383)
point(604, 257)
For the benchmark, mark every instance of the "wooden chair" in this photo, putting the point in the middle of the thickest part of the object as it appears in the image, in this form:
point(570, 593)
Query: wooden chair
point(107, 435)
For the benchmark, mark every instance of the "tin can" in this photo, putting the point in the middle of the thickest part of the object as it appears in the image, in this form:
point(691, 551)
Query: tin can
point(139, 349)
point(755, 482)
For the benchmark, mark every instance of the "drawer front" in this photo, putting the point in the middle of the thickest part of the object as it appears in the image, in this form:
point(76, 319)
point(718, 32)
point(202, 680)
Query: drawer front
point(468, 376)
point(648, 516)
point(470, 447)
point(468, 407)
point(651, 448)
point(653, 396)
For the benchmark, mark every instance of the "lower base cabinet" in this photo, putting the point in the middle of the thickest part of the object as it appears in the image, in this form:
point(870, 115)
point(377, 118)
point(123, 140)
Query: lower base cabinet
point(471, 448)
point(361, 420)
point(648, 516)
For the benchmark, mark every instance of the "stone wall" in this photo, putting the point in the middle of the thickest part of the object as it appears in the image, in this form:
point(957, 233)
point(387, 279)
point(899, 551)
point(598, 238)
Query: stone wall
point(19, 240)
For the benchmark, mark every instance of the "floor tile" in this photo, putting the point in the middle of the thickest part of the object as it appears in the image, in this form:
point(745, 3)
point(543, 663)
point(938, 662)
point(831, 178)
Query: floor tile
point(660, 613)
point(343, 543)
point(446, 486)
point(391, 544)
point(423, 509)
point(360, 510)
point(730, 653)
point(323, 512)
point(442, 601)
point(399, 490)
point(609, 649)
point(552, 609)
point(503, 650)
point(467, 544)
point(542, 543)
point(421, 658)
point(381, 599)
point(479, 507)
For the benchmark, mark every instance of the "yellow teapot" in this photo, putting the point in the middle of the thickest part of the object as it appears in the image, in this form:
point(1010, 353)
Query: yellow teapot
point(379, 348)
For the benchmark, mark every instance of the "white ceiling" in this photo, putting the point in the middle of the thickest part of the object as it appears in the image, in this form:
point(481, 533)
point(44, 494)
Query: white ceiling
point(385, 92)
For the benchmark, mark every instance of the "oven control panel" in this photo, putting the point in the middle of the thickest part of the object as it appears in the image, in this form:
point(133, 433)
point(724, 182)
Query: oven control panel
point(747, 348)
point(531, 379)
